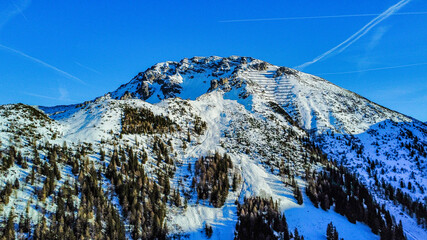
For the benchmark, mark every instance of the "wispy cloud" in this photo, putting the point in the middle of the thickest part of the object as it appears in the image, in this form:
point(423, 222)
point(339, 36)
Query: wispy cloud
point(374, 69)
point(44, 64)
point(376, 37)
point(367, 59)
point(14, 8)
point(356, 36)
point(317, 17)
point(88, 68)
point(62, 92)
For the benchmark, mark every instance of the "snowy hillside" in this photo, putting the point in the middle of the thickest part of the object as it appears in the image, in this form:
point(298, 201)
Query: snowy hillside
point(205, 147)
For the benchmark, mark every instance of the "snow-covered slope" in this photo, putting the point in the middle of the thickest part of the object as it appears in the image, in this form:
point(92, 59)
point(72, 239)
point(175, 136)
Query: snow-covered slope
point(264, 117)
point(17, 120)
point(315, 104)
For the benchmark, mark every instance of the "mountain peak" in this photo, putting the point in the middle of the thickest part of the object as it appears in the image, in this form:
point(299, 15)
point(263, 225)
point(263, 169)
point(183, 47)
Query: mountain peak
point(314, 103)
point(188, 78)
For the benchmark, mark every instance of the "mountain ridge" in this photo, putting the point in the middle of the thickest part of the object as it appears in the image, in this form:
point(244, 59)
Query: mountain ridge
point(164, 80)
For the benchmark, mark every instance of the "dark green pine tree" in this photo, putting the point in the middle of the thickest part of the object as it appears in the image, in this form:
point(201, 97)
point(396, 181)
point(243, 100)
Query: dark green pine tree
point(297, 236)
point(9, 230)
point(398, 232)
point(298, 195)
point(331, 232)
point(208, 230)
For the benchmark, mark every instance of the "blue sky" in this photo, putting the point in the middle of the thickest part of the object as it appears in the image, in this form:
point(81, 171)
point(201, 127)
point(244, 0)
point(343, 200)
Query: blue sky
point(62, 52)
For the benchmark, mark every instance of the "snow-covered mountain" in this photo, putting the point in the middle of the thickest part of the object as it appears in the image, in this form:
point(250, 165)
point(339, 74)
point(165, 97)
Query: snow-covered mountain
point(276, 125)
point(313, 102)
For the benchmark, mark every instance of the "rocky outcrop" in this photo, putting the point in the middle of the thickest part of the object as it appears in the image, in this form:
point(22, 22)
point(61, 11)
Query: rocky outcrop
point(284, 71)
point(144, 90)
point(170, 90)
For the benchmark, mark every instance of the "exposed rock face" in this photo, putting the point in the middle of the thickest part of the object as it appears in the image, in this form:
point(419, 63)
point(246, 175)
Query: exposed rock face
point(262, 66)
point(144, 90)
point(170, 89)
point(223, 84)
point(214, 85)
point(126, 96)
point(285, 71)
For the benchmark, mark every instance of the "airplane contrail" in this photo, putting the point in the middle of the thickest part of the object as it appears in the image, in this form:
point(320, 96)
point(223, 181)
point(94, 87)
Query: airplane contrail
point(44, 64)
point(373, 69)
point(20, 11)
point(318, 17)
point(356, 36)
point(12, 10)
point(88, 68)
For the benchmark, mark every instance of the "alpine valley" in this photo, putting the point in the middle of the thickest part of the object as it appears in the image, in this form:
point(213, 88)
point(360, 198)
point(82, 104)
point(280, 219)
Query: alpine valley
point(214, 148)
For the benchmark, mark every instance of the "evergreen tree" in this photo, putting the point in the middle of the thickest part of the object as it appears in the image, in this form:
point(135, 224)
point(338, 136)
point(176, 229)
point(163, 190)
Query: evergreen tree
point(298, 194)
point(208, 230)
point(331, 232)
point(9, 230)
